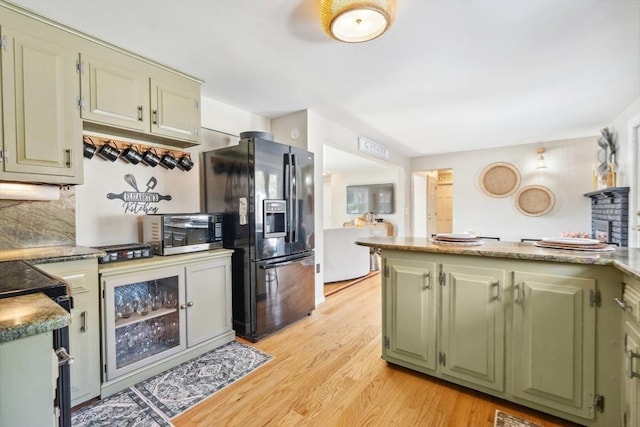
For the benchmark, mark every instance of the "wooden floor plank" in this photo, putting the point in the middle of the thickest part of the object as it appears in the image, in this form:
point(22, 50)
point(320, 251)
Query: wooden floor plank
point(328, 371)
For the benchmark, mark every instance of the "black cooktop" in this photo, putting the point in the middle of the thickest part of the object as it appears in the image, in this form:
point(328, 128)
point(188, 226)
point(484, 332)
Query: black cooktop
point(19, 278)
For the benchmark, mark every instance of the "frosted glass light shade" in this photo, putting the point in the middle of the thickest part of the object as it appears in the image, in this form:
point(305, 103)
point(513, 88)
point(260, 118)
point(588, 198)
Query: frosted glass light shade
point(355, 21)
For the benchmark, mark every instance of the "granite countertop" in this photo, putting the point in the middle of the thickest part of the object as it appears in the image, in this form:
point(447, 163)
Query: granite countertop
point(28, 315)
point(31, 314)
point(47, 254)
point(625, 259)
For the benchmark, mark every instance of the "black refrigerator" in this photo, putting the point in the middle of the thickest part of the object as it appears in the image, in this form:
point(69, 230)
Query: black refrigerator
point(265, 191)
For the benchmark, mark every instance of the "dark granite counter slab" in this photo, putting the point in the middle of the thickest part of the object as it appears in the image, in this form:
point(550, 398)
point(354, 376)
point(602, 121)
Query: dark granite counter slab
point(625, 259)
point(47, 254)
point(28, 315)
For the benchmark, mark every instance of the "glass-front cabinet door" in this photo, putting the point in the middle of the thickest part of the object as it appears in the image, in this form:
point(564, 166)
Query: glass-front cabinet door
point(143, 319)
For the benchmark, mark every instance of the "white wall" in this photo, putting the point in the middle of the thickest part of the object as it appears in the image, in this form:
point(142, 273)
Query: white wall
point(103, 221)
point(568, 176)
point(339, 183)
point(419, 202)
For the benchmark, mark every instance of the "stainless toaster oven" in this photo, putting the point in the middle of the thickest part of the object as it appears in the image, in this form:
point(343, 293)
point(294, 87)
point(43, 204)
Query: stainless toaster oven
point(170, 234)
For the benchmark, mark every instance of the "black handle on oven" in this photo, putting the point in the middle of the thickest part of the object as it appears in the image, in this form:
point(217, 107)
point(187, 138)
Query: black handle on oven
point(64, 358)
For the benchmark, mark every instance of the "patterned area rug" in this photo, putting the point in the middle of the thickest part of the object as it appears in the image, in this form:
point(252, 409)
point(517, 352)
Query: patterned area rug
point(155, 401)
point(502, 419)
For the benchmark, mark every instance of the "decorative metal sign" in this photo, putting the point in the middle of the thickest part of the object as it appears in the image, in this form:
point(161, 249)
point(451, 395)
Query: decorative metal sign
point(139, 201)
point(373, 148)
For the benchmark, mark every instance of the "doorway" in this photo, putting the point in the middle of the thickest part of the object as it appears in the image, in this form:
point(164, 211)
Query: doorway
point(432, 202)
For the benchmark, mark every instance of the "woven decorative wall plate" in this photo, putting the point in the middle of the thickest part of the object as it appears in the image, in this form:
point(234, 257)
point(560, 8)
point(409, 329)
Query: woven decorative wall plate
point(535, 200)
point(500, 179)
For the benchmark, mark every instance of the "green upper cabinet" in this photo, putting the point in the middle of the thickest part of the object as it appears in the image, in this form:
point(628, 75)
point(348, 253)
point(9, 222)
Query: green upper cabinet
point(114, 92)
point(473, 325)
point(42, 130)
point(122, 94)
point(175, 109)
point(553, 346)
point(410, 312)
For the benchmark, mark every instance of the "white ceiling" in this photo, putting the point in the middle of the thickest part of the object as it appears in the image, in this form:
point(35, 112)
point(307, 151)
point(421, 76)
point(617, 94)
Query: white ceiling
point(450, 75)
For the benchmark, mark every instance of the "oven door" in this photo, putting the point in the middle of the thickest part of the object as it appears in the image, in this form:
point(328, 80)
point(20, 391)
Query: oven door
point(63, 385)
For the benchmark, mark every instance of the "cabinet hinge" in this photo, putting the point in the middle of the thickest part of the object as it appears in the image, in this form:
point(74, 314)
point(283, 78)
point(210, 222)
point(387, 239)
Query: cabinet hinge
point(386, 342)
point(80, 67)
point(386, 271)
point(3, 43)
point(103, 294)
point(442, 358)
point(594, 298)
point(81, 103)
point(441, 278)
point(4, 154)
point(598, 403)
point(196, 104)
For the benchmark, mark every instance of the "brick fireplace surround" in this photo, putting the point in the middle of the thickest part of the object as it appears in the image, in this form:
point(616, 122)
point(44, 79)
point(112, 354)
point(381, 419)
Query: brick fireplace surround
point(610, 215)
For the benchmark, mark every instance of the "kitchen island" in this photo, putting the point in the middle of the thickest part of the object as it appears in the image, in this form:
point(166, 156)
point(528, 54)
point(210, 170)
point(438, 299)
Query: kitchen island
point(535, 326)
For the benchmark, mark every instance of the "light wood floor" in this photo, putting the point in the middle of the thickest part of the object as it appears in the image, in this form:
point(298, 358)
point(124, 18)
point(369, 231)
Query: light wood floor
point(327, 371)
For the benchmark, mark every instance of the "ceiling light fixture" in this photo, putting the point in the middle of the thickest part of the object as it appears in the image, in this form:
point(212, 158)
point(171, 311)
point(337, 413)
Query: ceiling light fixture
point(355, 21)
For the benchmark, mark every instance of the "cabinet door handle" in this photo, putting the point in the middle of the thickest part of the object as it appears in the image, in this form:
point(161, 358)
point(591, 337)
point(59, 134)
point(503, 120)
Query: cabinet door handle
point(623, 304)
point(68, 153)
point(426, 277)
point(518, 294)
point(140, 118)
point(83, 320)
point(155, 117)
point(498, 291)
point(630, 356)
point(183, 306)
point(190, 304)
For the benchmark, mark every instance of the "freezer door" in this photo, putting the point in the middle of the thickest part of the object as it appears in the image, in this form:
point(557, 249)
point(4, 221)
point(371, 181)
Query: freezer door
point(301, 201)
point(285, 292)
point(267, 183)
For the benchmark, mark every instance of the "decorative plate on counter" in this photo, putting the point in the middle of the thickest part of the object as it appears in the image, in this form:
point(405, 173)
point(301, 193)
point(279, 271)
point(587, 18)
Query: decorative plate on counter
point(455, 237)
point(500, 179)
point(535, 200)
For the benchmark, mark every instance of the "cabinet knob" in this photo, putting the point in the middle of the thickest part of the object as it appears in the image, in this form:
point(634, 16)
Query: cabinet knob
point(183, 306)
point(190, 304)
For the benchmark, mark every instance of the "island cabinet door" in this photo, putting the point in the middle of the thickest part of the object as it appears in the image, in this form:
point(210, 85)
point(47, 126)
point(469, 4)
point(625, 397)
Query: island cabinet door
point(473, 325)
point(553, 344)
point(410, 312)
point(631, 375)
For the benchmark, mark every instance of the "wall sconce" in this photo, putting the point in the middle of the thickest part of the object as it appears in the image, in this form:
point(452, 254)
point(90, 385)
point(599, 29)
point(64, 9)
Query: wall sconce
point(540, 163)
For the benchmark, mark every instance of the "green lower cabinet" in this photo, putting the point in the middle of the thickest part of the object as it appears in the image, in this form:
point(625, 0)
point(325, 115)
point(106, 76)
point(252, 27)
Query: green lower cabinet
point(631, 374)
point(410, 312)
point(473, 338)
point(553, 349)
point(541, 334)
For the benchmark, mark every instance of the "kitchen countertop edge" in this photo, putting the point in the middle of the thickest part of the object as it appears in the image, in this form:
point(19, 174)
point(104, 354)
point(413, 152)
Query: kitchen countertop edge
point(42, 315)
point(49, 254)
point(626, 260)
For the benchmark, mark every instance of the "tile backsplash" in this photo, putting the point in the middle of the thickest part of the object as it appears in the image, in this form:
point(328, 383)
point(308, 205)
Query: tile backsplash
point(28, 224)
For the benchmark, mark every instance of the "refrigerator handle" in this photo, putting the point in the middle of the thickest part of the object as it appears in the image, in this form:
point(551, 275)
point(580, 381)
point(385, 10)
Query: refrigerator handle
point(287, 195)
point(294, 199)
